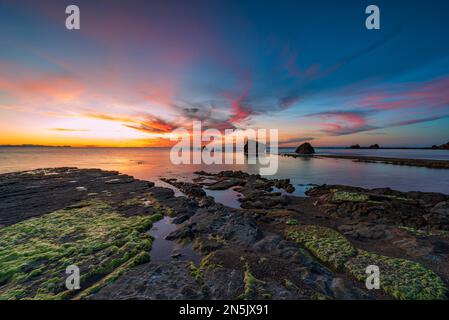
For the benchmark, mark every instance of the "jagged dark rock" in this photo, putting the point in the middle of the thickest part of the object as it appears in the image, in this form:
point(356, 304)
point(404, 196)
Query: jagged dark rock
point(305, 148)
point(247, 253)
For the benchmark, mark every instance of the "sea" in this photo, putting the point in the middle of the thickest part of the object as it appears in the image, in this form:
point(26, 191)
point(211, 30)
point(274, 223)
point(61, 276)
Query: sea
point(154, 163)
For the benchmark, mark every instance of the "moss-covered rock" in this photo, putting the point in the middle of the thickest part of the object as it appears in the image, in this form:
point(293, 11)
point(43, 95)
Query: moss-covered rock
point(91, 235)
point(197, 272)
point(344, 196)
point(292, 222)
point(326, 244)
point(402, 279)
point(252, 287)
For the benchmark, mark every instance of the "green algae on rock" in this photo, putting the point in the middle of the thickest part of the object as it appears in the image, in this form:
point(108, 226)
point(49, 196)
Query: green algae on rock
point(292, 222)
point(400, 278)
point(326, 244)
point(342, 196)
point(197, 272)
point(252, 286)
point(91, 235)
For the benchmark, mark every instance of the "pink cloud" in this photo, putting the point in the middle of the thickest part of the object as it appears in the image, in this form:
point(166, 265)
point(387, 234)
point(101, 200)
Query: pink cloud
point(342, 123)
point(430, 94)
point(49, 86)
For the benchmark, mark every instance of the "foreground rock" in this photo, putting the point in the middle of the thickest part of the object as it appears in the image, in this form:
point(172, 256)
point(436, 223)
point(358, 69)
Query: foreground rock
point(381, 227)
point(277, 246)
point(384, 206)
point(30, 194)
point(97, 220)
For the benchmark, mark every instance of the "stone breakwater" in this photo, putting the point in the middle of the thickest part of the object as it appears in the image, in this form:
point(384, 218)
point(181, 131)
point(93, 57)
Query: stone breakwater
point(277, 246)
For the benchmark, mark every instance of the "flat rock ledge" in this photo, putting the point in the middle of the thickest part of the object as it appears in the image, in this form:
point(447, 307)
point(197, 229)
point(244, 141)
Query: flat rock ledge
point(277, 246)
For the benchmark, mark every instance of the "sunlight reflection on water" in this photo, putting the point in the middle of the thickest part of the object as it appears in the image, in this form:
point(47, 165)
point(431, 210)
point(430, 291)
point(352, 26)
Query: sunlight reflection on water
point(152, 164)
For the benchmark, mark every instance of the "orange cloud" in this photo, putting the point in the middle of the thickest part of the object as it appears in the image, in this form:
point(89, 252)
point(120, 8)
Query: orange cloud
point(161, 92)
point(62, 88)
point(145, 123)
point(68, 130)
point(152, 124)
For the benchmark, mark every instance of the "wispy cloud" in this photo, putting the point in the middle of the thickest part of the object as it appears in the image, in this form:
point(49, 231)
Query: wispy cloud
point(418, 120)
point(142, 122)
point(68, 130)
point(342, 122)
point(427, 94)
point(288, 142)
point(152, 124)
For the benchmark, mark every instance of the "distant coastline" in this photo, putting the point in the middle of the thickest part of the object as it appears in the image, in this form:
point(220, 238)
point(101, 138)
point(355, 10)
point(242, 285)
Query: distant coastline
point(336, 147)
point(431, 164)
point(31, 146)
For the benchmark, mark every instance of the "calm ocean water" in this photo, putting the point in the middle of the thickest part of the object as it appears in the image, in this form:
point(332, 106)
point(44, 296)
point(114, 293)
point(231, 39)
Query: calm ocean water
point(152, 164)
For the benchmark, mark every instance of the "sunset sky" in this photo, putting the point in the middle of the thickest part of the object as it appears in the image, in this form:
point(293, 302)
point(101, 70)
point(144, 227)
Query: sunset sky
point(139, 69)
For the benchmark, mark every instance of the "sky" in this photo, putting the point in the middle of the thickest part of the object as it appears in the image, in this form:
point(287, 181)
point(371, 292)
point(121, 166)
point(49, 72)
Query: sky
point(137, 70)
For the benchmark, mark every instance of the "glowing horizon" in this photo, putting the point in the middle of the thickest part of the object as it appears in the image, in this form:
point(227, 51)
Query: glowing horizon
point(137, 71)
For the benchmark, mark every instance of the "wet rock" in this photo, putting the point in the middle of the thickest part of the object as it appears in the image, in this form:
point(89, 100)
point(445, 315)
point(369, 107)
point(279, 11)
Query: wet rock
point(181, 218)
point(284, 184)
point(226, 184)
point(33, 193)
point(383, 206)
point(171, 280)
point(244, 245)
point(190, 189)
point(120, 180)
point(223, 283)
point(181, 233)
point(206, 202)
point(441, 208)
point(363, 231)
point(440, 247)
point(342, 290)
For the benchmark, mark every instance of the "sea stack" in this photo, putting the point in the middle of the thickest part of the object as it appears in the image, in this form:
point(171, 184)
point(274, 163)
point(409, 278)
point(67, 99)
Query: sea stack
point(305, 148)
point(356, 146)
point(374, 146)
point(260, 147)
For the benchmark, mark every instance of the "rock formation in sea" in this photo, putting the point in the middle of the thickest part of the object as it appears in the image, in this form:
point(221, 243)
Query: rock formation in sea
point(260, 147)
point(374, 146)
point(356, 146)
point(305, 148)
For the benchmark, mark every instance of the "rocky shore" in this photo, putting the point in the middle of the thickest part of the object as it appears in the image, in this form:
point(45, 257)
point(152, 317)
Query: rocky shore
point(433, 164)
point(277, 246)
